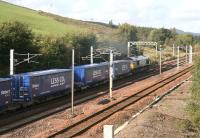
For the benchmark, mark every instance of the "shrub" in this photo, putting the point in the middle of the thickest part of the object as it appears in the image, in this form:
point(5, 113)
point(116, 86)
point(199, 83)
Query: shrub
point(17, 36)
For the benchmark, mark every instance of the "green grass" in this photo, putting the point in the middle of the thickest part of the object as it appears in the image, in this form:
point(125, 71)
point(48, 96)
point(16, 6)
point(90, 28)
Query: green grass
point(39, 24)
point(51, 24)
point(47, 23)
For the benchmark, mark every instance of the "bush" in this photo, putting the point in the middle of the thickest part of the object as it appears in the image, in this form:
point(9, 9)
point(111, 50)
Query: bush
point(81, 42)
point(56, 52)
point(128, 32)
point(17, 36)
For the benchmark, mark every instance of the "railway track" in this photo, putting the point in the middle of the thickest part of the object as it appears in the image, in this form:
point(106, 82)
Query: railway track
point(17, 119)
point(89, 121)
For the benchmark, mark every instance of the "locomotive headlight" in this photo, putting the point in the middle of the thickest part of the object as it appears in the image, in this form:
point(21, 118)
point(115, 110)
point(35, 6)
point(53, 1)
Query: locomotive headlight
point(132, 66)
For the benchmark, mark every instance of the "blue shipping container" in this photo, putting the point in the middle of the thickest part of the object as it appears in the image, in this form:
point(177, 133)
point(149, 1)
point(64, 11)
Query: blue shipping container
point(121, 67)
point(5, 91)
point(90, 74)
point(40, 83)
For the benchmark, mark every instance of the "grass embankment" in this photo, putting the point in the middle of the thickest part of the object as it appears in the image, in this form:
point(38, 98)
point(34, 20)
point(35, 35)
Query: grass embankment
point(39, 24)
point(54, 25)
point(194, 104)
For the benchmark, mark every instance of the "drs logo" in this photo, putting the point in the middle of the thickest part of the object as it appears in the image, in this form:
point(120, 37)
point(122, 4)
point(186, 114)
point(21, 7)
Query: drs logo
point(58, 81)
point(5, 93)
point(96, 73)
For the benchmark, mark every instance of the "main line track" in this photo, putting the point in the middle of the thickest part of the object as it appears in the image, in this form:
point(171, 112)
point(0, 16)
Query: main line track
point(17, 119)
point(89, 121)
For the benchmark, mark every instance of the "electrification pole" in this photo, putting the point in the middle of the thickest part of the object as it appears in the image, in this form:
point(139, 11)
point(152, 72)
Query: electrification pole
point(128, 50)
point(72, 83)
point(111, 74)
point(177, 56)
point(160, 59)
point(186, 56)
point(190, 56)
point(156, 49)
point(12, 62)
point(173, 50)
point(91, 55)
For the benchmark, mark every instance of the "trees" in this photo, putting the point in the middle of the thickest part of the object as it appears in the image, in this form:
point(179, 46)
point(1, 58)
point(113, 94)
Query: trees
point(184, 39)
point(160, 35)
point(111, 23)
point(14, 35)
point(129, 32)
point(56, 52)
point(143, 33)
point(81, 42)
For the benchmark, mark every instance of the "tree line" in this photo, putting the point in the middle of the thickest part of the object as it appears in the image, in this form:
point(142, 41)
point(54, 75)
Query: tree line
point(56, 51)
point(162, 36)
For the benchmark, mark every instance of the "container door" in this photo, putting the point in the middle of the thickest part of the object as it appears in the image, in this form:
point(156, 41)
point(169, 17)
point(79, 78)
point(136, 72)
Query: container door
point(21, 87)
point(5, 93)
point(35, 83)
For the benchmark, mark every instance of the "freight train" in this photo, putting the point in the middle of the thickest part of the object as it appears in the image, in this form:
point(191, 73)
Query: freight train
point(33, 86)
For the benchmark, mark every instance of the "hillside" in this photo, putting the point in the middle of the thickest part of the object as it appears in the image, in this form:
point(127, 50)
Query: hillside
point(50, 24)
point(45, 23)
point(182, 32)
point(39, 24)
point(106, 35)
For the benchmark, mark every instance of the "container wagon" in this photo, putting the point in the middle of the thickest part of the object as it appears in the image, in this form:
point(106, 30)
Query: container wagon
point(33, 85)
point(5, 92)
point(121, 68)
point(91, 74)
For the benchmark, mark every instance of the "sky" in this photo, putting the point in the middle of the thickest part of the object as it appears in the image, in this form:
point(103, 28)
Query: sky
point(181, 14)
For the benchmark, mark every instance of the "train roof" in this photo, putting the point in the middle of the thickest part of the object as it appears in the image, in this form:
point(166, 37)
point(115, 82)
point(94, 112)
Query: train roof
point(136, 58)
point(91, 65)
point(99, 64)
point(43, 72)
point(4, 79)
point(118, 61)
